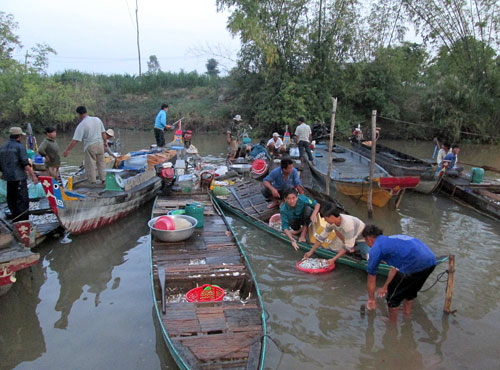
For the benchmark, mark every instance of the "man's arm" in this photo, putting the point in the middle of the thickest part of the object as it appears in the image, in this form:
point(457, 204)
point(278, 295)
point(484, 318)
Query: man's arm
point(315, 212)
point(104, 139)
point(371, 285)
point(30, 172)
point(70, 146)
point(382, 292)
point(315, 246)
point(272, 189)
point(288, 233)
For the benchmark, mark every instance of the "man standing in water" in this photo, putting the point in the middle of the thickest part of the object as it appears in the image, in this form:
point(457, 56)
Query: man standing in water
point(90, 131)
point(412, 262)
point(161, 125)
point(15, 166)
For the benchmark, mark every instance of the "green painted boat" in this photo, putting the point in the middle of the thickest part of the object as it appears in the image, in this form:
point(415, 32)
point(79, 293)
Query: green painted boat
point(230, 333)
point(247, 202)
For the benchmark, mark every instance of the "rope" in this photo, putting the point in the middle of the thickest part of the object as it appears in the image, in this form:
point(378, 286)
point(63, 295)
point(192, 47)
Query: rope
point(438, 278)
point(427, 126)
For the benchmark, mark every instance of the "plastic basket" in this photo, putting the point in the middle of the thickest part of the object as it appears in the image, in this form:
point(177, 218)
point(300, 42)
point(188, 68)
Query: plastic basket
point(205, 293)
point(315, 271)
point(275, 221)
point(259, 167)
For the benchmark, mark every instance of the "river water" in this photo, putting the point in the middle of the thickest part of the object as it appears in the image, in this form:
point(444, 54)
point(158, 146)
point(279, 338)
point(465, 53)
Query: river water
point(88, 304)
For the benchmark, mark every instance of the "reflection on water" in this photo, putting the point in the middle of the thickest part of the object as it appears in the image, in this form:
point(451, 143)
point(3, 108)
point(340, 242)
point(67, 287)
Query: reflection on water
point(88, 304)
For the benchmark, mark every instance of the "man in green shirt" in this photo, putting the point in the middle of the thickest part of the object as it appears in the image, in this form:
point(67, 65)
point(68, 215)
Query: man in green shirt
point(50, 150)
point(296, 213)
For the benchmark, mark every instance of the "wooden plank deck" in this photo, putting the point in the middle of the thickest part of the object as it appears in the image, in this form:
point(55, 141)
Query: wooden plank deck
point(207, 334)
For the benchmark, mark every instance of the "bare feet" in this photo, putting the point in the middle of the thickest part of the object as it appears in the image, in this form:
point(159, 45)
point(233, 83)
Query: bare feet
point(302, 240)
point(273, 204)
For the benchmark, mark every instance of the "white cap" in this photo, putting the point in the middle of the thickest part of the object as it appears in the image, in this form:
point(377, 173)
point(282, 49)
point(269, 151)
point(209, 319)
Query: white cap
point(276, 134)
point(167, 165)
point(110, 132)
point(237, 117)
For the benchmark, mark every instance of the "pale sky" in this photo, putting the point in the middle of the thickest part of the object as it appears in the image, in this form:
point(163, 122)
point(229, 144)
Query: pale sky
point(100, 35)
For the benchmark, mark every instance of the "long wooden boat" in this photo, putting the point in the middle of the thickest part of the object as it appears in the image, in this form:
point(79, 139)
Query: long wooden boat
point(350, 174)
point(207, 335)
point(247, 202)
point(484, 197)
point(13, 257)
point(88, 207)
point(400, 164)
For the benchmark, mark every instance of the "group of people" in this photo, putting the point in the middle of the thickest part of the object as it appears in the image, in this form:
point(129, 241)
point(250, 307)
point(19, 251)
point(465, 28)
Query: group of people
point(239, 144)
point(447, 158)
point(411, 260)
point(16, 167)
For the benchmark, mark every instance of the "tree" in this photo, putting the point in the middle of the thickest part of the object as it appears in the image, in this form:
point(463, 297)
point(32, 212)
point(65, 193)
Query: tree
point(212, 69)
point(38, 60)
point(8, 41)
point(153, 65)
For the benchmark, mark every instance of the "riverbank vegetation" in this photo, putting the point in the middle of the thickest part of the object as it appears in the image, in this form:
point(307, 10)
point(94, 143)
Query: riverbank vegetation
point(295, 56)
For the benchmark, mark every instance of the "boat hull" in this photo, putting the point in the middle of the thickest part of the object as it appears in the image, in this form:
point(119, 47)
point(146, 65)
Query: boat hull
point(89, 213)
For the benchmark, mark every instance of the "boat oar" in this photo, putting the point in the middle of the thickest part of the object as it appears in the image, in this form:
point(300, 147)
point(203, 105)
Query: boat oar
point(236, 197)
point(486, 168)
point(161, 276)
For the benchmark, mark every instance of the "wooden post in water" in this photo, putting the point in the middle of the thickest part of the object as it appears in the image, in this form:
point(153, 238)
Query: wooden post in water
point(449, 284)
point(372, 164)
point(330, 147)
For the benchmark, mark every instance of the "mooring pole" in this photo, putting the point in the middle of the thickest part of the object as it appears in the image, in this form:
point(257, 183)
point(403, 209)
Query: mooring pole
point(330, 147)
point(372, 164)
point(449, 284)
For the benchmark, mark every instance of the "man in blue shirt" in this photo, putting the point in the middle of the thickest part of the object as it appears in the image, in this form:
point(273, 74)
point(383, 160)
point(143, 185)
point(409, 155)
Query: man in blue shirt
point(412, 262)
point(161, 125)
point(296, 214)
point(279, 179)
point(14, 165)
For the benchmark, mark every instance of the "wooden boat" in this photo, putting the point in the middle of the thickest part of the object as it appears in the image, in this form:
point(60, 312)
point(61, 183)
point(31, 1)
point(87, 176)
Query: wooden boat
point(13, 257)
point(32, 232)
point(350, 174)
point(88, 207)
point(400, 164)
point(484, 197)
point(225, 334)
point(247, 202)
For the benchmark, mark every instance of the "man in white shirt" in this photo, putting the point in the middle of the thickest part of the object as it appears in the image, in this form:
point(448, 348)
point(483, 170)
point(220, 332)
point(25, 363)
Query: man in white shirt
point(275, 144)
point(304, 137)
point(90, 131)
point(348, 234)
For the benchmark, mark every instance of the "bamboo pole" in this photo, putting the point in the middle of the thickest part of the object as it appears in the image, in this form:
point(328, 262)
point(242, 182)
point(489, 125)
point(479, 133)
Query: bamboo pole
point(372, 164)
point(330, 147)
point(449, 284)
point(137, 26)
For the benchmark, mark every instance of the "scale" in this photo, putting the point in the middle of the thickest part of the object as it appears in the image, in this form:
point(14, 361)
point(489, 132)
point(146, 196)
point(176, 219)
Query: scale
point(114, 182)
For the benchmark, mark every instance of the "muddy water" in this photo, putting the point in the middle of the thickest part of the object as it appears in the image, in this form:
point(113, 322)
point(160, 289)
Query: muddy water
point(88, 305)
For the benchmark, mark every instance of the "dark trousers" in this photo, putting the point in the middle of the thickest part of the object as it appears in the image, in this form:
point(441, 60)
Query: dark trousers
point(268, 195)
point(297, 223)
point(304, 145)
point(18, 199)
point(160, 137)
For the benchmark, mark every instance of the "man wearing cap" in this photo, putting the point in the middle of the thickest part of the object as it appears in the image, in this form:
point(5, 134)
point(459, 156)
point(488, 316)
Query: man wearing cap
point(90, 131)
point(275, 144)
point(15, 167)
point(161, 125)
point(233, 136)
point(304, 137)
point(110, 134)
point(50, 150)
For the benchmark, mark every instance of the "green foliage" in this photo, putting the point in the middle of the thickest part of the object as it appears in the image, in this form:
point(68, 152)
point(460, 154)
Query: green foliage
point(212, 70)
point(153, 65)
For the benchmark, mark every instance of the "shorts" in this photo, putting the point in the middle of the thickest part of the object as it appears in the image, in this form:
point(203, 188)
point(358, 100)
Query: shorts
point(297, 223)
point(406, 286)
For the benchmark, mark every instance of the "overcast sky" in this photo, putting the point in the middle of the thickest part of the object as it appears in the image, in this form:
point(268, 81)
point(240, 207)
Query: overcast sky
point(100, 35)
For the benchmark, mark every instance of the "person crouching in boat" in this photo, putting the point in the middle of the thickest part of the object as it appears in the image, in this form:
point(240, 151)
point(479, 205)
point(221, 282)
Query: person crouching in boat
point(348, 238)
point(296, 213)
point(278, 180)
point(412, 262)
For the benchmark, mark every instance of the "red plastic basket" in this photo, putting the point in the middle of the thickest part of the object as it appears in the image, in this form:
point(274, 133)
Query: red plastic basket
point(259, 167)
point(205, 293)
point(315, 271)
